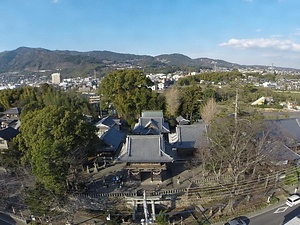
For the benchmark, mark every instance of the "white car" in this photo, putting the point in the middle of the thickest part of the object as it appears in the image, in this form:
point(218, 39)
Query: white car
point(236, 222)
point(293, 200)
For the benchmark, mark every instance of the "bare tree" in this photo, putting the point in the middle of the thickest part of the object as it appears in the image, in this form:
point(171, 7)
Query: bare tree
point(173, 100)
point(209, 110)
point(237, 147)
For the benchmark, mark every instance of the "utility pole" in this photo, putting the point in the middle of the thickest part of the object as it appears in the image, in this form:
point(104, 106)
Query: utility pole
point(236, 106)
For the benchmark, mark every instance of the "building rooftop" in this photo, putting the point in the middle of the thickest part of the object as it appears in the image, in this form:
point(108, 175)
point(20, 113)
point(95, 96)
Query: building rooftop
point(8, 133)
point(107, 121)
point(113, 139)
point(286, 129)
point(188, 136)
point(153, 113)
point(12, 111)
point(144, 149)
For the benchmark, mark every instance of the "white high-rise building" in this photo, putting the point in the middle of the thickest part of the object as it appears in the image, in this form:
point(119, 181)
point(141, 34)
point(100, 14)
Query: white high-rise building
point(55, 78)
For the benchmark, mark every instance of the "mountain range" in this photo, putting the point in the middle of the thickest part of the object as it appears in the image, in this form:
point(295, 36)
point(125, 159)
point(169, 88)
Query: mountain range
point(74, 63)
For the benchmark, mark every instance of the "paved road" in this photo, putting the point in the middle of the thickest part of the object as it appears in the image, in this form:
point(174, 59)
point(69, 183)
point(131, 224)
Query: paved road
point(277, 216)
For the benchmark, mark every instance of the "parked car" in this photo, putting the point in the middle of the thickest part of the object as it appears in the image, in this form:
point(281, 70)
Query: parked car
point(293, 200)
point(236, 222)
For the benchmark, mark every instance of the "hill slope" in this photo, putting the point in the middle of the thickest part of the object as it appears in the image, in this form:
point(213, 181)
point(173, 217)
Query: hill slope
point(29, 60)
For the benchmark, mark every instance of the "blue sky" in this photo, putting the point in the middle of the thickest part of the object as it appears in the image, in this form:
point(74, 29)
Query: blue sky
point(247, 32)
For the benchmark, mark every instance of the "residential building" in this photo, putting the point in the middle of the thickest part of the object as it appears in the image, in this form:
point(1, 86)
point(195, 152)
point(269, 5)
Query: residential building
point(5, 136)
point(107, 123)
point(284, 141)
point(110, 135)
point(10, 118)
point(112, 141)
point(56, 79)
point(12, 113)
point(188, 138)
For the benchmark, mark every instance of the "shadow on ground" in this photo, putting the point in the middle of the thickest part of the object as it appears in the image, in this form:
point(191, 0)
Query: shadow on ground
point(291, 215)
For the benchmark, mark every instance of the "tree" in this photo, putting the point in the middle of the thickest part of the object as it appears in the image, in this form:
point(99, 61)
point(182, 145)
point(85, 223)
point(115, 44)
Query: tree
point(209, 111)
point(39, 200)
point(211, 77)
point(30, 98)
point(237, 147)
point(53, 139)
point(172, 96)
point(162, 218)
point(11, 158)
point(190, 101)
point(129, 92)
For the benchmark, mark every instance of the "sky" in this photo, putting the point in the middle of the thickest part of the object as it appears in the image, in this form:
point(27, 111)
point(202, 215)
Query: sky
point(247, 32)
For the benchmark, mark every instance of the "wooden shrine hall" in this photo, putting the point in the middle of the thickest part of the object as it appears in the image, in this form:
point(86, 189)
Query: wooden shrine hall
point(145, 155)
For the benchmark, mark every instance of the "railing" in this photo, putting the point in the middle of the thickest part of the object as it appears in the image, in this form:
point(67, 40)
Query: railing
point(213, 188)
point(210, 180)
point(133, 194)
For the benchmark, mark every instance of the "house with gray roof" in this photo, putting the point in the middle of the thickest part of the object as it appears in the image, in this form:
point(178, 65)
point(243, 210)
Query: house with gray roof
point(151, 122)
point(9, 122)
point(145, 154)
point(280, 154)
point(12, 112)
point(6, 135)
point(107, 123)
point(188, 138)
point(289, 129)
point(10, 118)
point(285, 140)
point(112, 141)
point(152, 113)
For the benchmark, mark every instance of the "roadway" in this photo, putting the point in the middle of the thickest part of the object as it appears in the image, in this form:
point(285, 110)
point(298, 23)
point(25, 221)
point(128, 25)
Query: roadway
point(276, 216)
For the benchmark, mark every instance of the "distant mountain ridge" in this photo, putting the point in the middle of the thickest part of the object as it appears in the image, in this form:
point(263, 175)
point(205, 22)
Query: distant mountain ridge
point(29, 60)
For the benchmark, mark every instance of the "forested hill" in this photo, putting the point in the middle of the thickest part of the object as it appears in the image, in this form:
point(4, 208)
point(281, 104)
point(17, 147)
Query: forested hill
point(28, 60)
